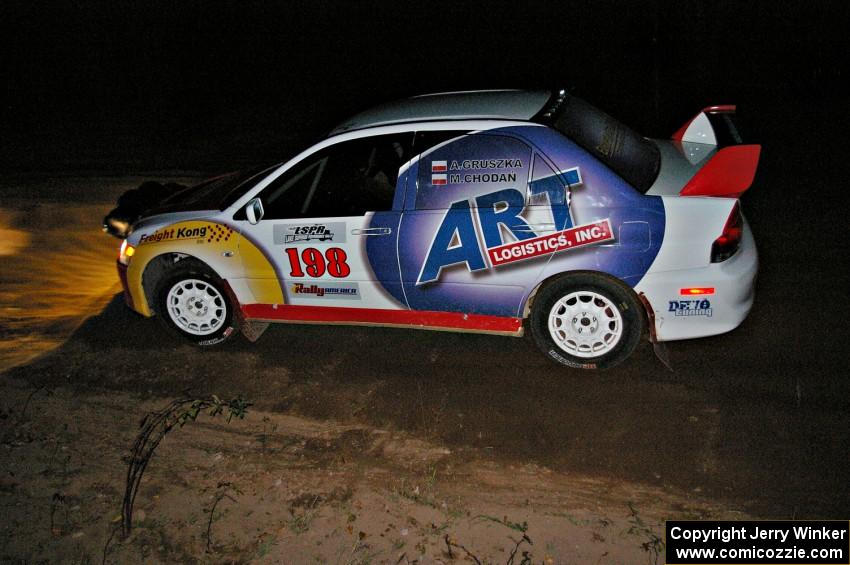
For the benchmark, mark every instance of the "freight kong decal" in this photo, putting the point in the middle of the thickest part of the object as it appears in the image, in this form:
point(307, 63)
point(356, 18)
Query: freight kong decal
point(456, 240)
point(206, 233)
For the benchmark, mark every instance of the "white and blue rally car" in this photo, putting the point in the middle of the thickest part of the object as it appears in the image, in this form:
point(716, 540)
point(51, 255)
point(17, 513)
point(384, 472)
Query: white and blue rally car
point(481, 211)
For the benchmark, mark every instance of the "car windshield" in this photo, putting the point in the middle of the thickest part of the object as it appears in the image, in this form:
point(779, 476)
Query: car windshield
point(221, 191)
point(636, 159)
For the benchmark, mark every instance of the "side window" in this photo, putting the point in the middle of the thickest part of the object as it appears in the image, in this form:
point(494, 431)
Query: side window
point(427, 139)
point(475, 168)
point(346, 179)
point(547, 188)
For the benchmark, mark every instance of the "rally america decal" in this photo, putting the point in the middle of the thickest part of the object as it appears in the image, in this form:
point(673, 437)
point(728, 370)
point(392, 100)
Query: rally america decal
point(350, 291)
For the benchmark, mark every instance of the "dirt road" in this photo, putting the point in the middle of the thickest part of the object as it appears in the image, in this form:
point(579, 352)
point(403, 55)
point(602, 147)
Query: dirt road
point(755, 421)
point(54, 262)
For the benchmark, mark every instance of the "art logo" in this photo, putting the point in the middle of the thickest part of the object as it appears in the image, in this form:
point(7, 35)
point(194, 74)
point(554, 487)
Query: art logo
point(456, 241)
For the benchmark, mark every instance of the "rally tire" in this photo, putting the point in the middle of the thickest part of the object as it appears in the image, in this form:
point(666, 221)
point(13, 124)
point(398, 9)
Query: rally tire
point(586, 321)
point(191, 302)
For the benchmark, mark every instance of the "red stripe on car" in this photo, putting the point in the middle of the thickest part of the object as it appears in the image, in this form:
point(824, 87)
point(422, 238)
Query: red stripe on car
point(428, 319)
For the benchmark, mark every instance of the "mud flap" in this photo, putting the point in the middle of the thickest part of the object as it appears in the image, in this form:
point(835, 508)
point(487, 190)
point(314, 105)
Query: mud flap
point(662, 353)
point(659, 347)
point(253, 330)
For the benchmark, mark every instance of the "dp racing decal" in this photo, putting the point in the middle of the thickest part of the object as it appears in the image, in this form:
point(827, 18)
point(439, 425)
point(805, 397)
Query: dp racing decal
point(690, 307)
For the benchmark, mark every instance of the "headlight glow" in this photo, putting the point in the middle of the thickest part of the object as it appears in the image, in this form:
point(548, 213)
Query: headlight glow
point(125, 253)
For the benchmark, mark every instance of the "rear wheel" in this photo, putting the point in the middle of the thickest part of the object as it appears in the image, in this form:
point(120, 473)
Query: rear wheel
point(587, 321)
point(192, 303)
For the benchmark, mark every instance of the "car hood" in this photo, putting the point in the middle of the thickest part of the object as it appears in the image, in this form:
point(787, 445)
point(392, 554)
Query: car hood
point(160, 220)
point(155, 199)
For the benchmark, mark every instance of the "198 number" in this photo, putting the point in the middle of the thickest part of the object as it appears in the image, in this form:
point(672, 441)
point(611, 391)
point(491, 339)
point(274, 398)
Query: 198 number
point(315, 264)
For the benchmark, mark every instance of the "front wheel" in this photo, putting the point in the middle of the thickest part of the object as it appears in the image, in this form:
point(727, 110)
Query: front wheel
point(586, 321)
point(191, 302)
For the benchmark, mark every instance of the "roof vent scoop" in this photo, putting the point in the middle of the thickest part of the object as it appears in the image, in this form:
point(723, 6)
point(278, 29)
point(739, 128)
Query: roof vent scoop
point(624, 151)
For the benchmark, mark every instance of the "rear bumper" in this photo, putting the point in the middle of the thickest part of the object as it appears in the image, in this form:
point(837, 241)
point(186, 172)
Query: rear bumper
point(733, 281)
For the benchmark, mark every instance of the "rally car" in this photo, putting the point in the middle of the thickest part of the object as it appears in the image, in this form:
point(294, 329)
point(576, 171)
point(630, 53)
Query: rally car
point(486, 211)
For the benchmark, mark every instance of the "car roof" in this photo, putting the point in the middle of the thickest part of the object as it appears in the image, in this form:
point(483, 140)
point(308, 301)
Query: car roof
point(464, 105)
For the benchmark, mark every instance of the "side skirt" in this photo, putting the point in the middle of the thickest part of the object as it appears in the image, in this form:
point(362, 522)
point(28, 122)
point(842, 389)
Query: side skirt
point(429, 320)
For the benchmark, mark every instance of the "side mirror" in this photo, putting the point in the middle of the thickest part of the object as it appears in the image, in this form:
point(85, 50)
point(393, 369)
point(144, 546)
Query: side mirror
point(254, 211)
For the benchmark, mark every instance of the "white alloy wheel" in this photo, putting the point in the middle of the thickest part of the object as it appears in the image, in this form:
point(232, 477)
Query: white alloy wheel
point(196, 307)
point(585, 324)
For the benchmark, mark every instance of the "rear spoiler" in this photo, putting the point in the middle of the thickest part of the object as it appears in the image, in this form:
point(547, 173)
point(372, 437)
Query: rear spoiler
point(731, 170)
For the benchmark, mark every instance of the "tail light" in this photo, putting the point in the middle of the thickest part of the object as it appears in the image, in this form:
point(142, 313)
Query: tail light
point(696, 290)
point(727, 244)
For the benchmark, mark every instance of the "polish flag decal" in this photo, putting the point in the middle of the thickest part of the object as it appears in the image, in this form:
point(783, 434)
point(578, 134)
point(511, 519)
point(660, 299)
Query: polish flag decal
point(438, 179)
point(438, 166)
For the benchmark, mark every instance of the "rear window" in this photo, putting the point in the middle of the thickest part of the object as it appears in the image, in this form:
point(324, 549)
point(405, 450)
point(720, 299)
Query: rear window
point(636, 159)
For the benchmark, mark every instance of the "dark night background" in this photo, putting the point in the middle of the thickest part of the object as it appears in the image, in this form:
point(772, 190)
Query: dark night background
point(143, 88)
point(212, 85)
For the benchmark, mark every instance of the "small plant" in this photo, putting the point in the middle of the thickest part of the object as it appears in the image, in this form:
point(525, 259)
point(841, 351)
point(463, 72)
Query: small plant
point(224, 489)
point(653, 545)
point(155, 426)
point(522, 528)
point(57, 502)
point(423, 494)
point(302, 520)
point(269, 428)
point(264, 547)
point(526, 558)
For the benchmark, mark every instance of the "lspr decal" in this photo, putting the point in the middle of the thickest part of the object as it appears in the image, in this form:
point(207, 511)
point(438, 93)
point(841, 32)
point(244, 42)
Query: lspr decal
point(331, 232)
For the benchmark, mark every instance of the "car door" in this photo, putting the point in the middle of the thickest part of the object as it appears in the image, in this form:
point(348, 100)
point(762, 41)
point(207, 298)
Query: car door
point(472, 199)
point(320, 215)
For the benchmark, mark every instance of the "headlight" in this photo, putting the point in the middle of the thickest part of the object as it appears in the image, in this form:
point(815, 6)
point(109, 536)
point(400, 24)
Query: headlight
point(125, 253)
point(119, 227)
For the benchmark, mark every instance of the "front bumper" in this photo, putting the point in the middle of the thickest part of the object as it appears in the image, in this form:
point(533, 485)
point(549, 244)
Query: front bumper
point(733, 281)
point(122, 276)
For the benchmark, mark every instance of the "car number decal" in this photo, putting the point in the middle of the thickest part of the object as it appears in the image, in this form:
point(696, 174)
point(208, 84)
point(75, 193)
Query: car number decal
point(312, 262)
